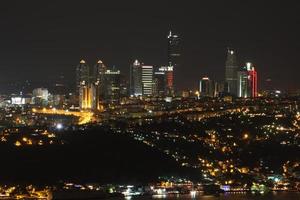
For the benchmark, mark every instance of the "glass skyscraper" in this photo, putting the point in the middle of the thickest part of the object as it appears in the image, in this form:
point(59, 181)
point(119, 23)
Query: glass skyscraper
point(207, 87)
point(82, 74)
point(231, 68)
point(99, 78)
point(112, 85)
point(136, 85)
point(247, 81)
point(173, 60)
point(83, 85)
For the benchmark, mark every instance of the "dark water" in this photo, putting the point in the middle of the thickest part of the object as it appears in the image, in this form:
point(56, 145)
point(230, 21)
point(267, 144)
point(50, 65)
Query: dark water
point(272, 196)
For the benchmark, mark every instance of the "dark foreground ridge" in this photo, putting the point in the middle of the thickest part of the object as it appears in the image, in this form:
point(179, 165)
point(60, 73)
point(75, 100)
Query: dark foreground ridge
point(93, 156)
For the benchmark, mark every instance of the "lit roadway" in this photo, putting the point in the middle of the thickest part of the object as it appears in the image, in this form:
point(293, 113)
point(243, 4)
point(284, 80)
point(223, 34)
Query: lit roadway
point(84, 116)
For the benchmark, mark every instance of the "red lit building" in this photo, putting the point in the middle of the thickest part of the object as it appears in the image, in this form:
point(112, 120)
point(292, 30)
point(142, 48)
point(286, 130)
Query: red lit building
point(247, 81)
point(253, 81)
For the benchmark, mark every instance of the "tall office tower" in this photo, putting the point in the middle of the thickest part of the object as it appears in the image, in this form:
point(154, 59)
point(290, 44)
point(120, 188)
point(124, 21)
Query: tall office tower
point(59, 92)
point(136, 85)
point(112, 85)
point(231, 68)
point(159, 82)
point(124, 86)
point(60, 86)
point(247, 81)
point(207, 87)
point(243, 90)
point(147, 80)
point(87, 98)
point(253, 79)
point(98, 78)
point(87, 87)
point(219, 89)
point(173, 58)
point(82, 83)
point(169, 85)
point(82, 74)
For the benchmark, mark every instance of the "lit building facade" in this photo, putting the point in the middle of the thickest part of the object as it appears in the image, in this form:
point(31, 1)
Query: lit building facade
point(159, 83)
point(98, 78)
point(173, 59)
point(247, 81)
point(82, 75)
point(147, 80)
point(86, 97)
point(136, 85)
point(112, 85)
point(231, 68)
point(207, 87)
point(87, 86)
point(169, 81)
point(40, 96)
point(82, 83)
point(243, 85)
point(253, 82)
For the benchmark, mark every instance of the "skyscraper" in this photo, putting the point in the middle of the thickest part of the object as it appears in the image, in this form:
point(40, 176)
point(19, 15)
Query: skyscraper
point(112, 85)
point(159, 82)
point(99, 78)
point(87, 97)
point(247, 81)
point(168, 82)
point(231, 68)
point(82, 84)
point(147, 80)
point(207, 87)
point(136, 85)
point(253, 81)
point(173, 59)
point(87, 87)
point(173, 49)
point(82, 74)
point(243, 85)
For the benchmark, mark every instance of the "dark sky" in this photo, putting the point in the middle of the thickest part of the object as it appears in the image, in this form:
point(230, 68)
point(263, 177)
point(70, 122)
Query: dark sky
point(39, 40)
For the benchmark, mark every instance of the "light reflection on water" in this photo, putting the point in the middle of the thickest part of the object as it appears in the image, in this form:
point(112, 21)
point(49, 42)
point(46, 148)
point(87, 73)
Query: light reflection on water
point(272, 196)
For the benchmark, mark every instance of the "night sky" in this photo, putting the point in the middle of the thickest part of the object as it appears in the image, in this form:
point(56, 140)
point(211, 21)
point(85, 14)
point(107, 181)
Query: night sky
point(41, 40)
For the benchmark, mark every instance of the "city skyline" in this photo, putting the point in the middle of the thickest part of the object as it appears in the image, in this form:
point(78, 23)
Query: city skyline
point(149, 99)
point(46, 43)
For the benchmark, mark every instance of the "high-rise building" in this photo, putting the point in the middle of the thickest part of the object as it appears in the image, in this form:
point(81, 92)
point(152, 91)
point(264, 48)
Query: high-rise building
point(59, 91)
point(231, 68)
point(60, 86)
point(86, 96)
point(247, 81)
point(112, 85)
point(253, 80)
point(169, 81)
point(124, 86)
point(159, 83)
point(173, 49)
point(82, 83)
point(219, 89)
point(87, 87)
point(173, 59)
point(98, 78)
point(147, 80)
point(82, 74)
point(243, 86)
point(207, 87)
point(136, 85)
